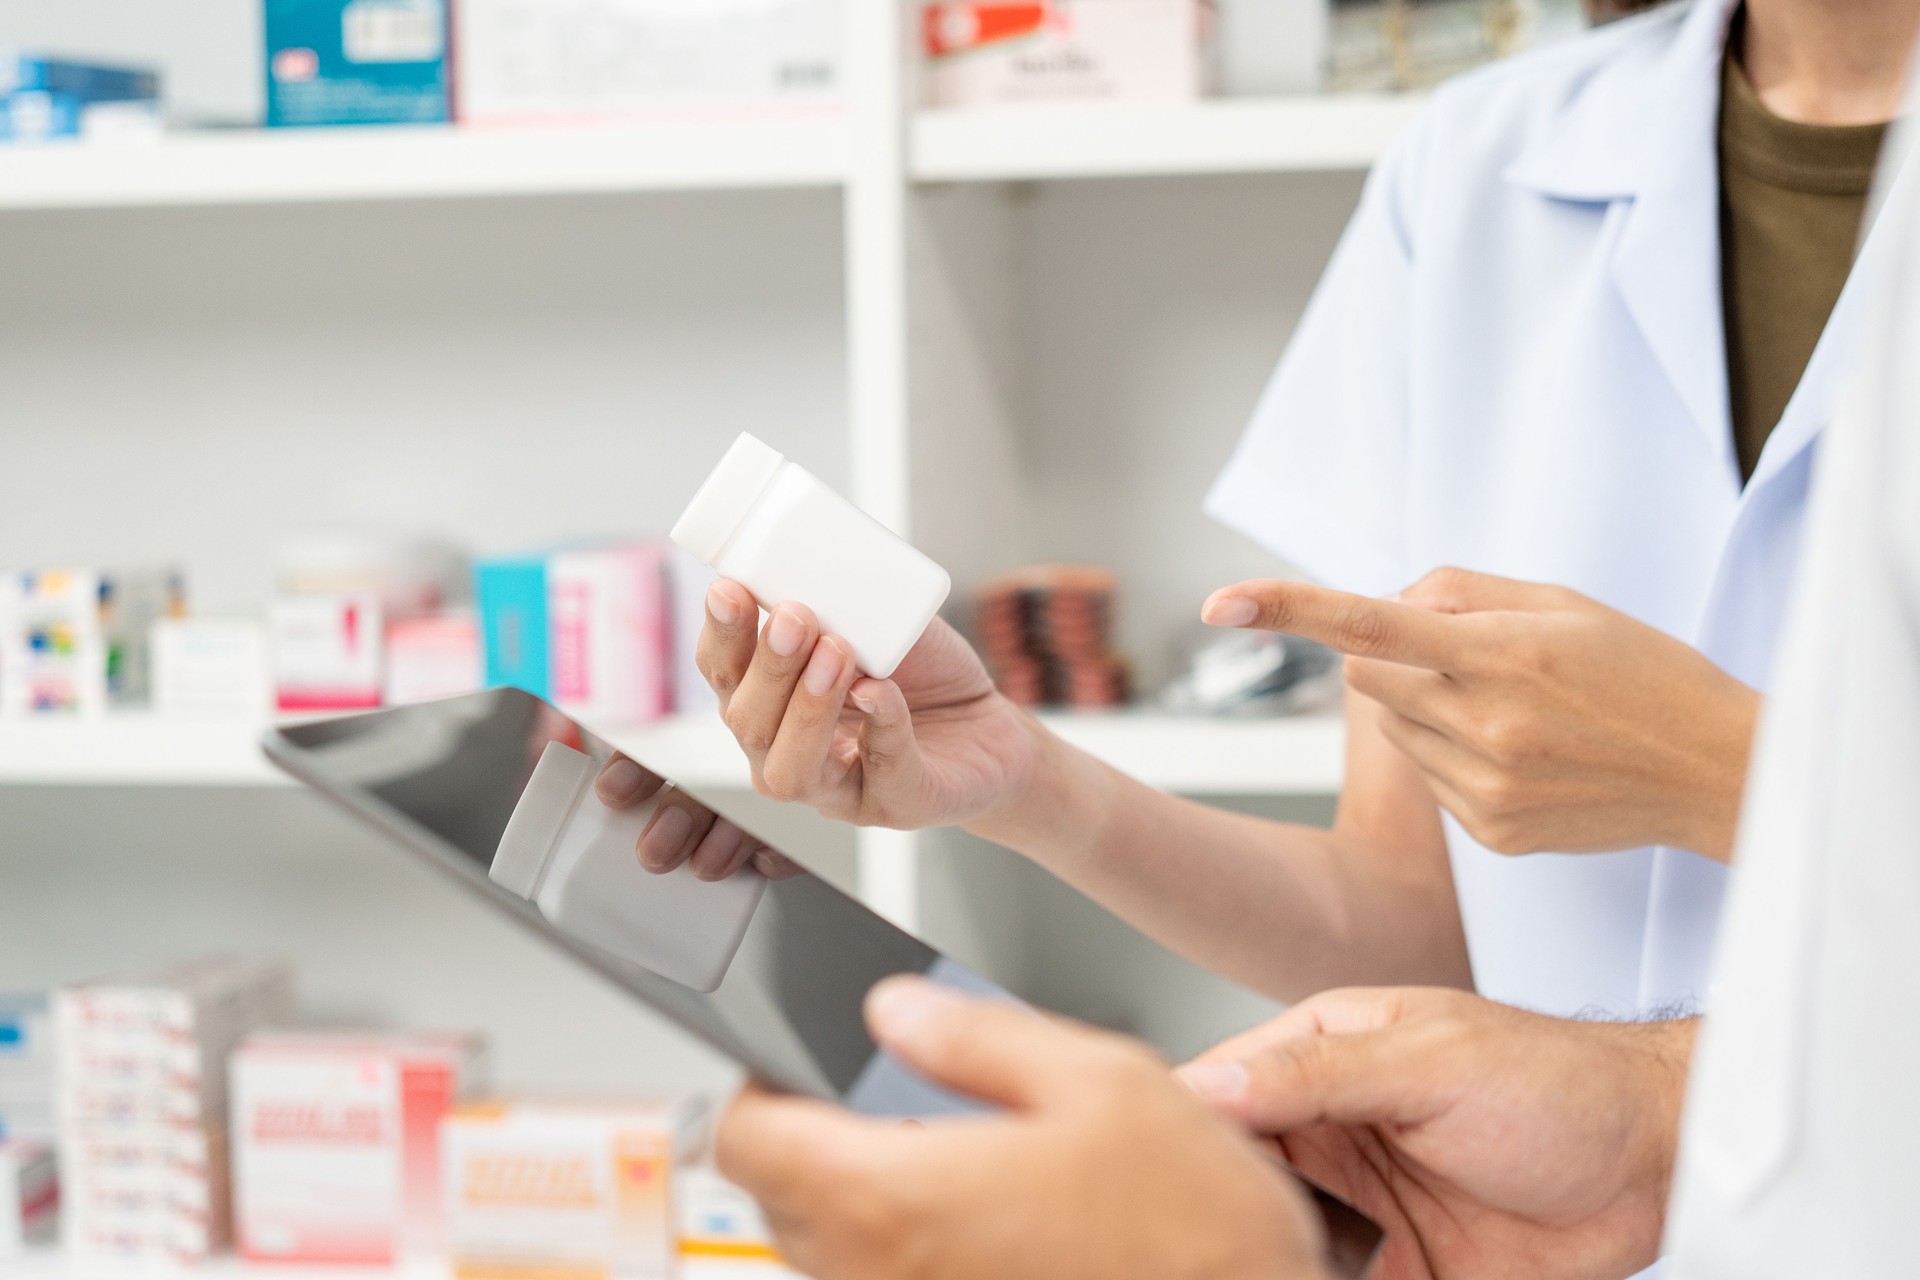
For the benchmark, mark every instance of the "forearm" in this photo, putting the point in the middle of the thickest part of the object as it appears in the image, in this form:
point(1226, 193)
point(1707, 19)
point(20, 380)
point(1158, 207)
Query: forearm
point(1283, 908)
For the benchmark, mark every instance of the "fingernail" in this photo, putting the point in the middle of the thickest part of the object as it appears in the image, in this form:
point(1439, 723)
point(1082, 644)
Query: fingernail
point(1229, 611)
point(866, 705)
point(665, 837)
point(897, 1006)
point(823, 668)
point(1215, 1081)
point(724, 608)
point(620, 782)
point(784, 633)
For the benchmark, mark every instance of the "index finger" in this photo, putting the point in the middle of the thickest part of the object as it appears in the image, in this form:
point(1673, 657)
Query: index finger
point(1356, 625)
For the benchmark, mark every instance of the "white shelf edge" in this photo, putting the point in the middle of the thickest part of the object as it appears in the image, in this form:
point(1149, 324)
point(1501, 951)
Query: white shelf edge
point(1196, 757)
point(1093, 140)
point(268, 166)
point(42, 1263)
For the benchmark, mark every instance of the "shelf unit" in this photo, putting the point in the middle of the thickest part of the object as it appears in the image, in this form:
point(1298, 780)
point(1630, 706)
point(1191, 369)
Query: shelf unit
point(1194, 756)
point(51, 1264)
point(939, 312)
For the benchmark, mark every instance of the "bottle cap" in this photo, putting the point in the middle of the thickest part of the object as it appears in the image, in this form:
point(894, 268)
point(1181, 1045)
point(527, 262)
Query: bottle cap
point(539, 817)
point(726, 497)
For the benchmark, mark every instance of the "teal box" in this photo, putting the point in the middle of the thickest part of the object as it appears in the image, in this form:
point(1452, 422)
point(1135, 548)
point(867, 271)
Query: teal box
point(350, 62)
point(511, 594)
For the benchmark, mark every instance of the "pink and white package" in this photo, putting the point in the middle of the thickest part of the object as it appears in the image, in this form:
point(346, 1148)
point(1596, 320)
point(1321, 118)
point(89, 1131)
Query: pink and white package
point(609, 634)
point(336, 1143)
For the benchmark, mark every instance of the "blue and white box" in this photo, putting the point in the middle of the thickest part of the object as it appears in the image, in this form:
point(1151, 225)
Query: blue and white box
point(356, 62)
point(43, 98)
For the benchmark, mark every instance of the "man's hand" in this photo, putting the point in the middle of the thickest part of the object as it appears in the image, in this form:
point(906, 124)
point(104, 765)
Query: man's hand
point(1542, 719)
point(1101, 1168)
point(1489, 1142)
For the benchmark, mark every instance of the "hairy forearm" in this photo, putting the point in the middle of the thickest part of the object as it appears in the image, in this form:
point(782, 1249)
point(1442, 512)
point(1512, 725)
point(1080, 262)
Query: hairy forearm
point(1282, 908)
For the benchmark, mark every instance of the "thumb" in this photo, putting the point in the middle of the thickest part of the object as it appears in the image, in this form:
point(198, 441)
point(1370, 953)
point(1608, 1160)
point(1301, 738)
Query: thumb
point(1371, 1078)
point(889, 751)
point(993, 1050)
point(1451, 590)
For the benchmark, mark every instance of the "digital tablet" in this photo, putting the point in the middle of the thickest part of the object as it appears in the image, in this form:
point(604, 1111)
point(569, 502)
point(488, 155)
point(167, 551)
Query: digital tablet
point(495, 790)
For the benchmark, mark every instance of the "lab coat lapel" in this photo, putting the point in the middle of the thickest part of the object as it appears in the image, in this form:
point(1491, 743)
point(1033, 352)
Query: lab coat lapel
point(1666, 262)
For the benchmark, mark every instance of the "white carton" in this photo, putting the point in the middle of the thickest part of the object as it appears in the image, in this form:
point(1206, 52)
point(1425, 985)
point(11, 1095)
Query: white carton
point(336, 1143)
point(211, 667)
point(980, 53)
point(584, 1189)
point(566, 61)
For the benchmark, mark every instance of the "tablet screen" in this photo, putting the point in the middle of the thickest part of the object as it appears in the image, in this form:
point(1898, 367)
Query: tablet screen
point(496, 788)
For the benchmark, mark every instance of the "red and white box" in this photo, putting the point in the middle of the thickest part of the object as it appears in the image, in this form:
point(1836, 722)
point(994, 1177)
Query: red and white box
point(436, 657)
point(336, 1143)
point(988, 53)
point(328, 651)
point(609, 633)
point(29, 1194)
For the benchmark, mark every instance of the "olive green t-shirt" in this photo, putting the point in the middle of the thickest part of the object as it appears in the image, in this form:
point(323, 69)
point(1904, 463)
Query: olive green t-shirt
point(1792, 197)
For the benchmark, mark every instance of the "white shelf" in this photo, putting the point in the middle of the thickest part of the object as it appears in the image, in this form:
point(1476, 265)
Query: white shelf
point(1197, 757)
point(1345, 131)
point(412, 163)
point(260, 166)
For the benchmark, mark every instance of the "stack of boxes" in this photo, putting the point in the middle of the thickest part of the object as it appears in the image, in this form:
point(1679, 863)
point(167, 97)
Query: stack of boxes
point(142, 1090)
point(76, 640)
point(336, 1143)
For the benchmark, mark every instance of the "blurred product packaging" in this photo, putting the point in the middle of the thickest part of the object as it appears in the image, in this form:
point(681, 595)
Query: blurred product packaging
point(338, 597)
point(568, 61)
point(336, 1142)
point(430, 658)
point(591, 628)
point(76, 640)
point(688, 580)
point(1047, 635)
point(1271, 47)
point(986, 53)
point(357, 62)
point(1380, 45)
point(29, 1194)
point(142, 1087)
point(43, 99)
point(211, 668)
point(1247, 673)
point(720, 1221)
point(26, 1066)
point(553, 1189)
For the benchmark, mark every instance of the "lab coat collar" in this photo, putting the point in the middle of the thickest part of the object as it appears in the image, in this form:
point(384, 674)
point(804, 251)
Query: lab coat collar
point(1643, 132)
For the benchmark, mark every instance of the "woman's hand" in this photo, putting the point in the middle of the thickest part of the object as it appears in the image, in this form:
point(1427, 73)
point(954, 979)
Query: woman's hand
point(1488, 1142)
point(1099, 1168)
point(1543, 720)
point(936, 744)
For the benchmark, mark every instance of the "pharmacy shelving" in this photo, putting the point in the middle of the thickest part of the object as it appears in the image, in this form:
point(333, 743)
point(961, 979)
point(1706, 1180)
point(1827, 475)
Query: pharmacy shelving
point(250, 166)
point(1300, 756)
point(293, 166)
point(51, 1264)
point(1281, 135)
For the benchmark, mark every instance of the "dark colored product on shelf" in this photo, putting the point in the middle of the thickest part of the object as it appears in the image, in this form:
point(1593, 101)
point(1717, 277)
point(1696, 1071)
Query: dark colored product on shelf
point(1046, 633)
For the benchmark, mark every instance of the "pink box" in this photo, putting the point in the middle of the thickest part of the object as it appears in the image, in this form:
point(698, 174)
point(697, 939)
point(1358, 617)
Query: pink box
point(430, 658)
point(336, 1143)
point(609, 641)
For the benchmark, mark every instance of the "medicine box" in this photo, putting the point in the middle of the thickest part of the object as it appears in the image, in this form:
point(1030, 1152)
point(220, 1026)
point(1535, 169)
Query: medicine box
point(511, 593)
point(585, 1190)
point(26, 1067)
point(565, 61)
point(1003, 52)
point(328, 651)
point(609, 633)
point(356, 62)
point(336, 1143)
point(29, 1194)
point(428, 658)
point(211, 667)
point(75, 640)
point(45, 98)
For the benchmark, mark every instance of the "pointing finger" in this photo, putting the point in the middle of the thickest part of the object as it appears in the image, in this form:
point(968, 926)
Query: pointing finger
point(1355, 625)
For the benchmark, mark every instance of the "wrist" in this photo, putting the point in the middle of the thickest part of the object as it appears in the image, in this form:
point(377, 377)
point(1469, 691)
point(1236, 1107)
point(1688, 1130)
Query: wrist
point(1054, 811)
point(1709, 811)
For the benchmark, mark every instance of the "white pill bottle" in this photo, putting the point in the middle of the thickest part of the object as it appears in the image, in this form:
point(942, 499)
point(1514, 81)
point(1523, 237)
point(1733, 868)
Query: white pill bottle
point(772, 526)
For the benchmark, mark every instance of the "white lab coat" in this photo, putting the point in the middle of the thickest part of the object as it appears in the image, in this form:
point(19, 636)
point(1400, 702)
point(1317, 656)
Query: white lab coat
point(1515, 364)
point(1801, 1152)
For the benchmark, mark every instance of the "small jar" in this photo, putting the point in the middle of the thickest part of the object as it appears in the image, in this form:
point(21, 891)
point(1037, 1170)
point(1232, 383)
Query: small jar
point(773, 527)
